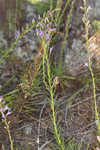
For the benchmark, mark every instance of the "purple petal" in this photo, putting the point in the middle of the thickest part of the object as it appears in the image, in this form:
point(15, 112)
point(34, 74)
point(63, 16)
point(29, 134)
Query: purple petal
point(51, 49)
point(47, 36)
point(37, 30)
point(8, 113)
point(7, 108)
point(41, 33)
point(17, 34)
point(3, 115)
point(86, 64)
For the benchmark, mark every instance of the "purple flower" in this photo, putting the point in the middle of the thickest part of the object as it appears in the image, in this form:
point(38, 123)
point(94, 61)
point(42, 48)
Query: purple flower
point(8, 113)
point(47, 36)
point(3, 109)
point(41, 33)
point(37, 30)
point(7, 108)
point(17, 34)
point(2, 112)
point(3, 115)
point(51, 49)
point(86, 64)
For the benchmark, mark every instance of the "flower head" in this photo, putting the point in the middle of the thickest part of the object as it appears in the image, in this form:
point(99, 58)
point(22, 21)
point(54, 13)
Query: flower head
point(86, 64)
point(51, 49)
point(41, 33)
point(17, 34)
point(3, 110)
point(47, 36)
